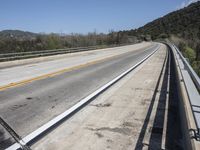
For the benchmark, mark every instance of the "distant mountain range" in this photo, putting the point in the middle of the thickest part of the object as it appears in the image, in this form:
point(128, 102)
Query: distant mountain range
point(17, 34)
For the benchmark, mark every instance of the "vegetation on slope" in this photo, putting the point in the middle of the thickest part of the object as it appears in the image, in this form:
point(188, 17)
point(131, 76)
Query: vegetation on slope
point(182, 27)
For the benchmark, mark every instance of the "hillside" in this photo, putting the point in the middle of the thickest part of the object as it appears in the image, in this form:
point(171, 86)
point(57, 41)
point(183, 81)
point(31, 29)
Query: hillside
point(17, 34)
point(181, 26)
point(184, 22)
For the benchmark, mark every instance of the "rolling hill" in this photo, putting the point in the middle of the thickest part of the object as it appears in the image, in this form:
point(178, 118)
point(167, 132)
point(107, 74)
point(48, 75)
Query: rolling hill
point(17, 34)
point(184, 23)
point(182, 27)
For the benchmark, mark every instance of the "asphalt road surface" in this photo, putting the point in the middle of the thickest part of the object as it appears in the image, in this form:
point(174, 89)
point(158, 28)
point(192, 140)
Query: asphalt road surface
point(27, 107)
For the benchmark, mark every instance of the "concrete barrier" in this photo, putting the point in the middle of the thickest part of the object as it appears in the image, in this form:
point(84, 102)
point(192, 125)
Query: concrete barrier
point(186, 114)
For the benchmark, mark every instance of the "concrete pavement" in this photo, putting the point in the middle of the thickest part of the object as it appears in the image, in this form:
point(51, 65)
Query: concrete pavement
point(13, 75)
point(115, 119)
point(29, 106)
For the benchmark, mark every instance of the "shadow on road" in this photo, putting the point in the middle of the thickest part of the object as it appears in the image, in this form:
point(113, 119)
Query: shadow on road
point(173, 131)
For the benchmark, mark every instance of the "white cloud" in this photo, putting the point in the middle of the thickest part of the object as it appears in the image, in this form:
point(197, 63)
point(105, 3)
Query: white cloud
point(186, 3)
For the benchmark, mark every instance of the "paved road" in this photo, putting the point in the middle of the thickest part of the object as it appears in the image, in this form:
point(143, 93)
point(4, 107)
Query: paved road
point(117, 118)
point(33, 70)
point(29, 106)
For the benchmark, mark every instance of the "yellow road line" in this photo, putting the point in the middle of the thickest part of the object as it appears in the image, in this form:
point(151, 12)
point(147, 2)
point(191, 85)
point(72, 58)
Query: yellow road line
point(20, 83)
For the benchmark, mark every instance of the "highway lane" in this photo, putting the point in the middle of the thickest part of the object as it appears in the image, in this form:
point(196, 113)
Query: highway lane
point(29, 106)
point(114, 119)
point(57, 63)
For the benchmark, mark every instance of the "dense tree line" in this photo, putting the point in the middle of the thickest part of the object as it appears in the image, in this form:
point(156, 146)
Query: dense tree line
point(11, 43)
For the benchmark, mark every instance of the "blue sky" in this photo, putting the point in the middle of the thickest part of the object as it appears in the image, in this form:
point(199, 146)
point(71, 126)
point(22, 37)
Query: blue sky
point(82, 16)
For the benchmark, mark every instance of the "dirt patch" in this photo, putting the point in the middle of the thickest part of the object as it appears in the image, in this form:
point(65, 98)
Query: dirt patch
point(109, 141)
point(128, 124)
point(18, 106)
point(99, 135)
point(124, 131)
point(145, 101)
point(138, 89)
point(33, 98)
point(102, 105)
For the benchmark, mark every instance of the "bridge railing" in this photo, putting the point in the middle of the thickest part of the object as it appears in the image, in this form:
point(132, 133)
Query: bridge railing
point(192, 86)
point(40, 53)
point(32, 54)
point(192, 73)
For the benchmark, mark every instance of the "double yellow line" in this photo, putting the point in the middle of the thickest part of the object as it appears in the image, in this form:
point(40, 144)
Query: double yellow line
point(23, 82)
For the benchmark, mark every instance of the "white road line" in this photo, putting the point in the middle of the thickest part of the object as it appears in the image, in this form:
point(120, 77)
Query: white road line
point(74, 108)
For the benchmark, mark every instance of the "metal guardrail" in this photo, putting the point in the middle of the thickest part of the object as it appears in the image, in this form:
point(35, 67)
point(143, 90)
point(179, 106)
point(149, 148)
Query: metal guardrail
point(32, 54)
point(192, 84)
point(192, 73)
